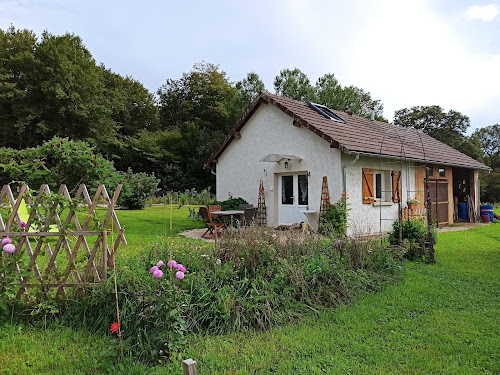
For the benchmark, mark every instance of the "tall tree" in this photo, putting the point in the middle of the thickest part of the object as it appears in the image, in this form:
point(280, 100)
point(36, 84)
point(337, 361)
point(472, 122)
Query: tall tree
point(202, 105)
point(330, 92)
point(294, 84)
point(204, 95)
point(18, 81)
point(448, 127)
point(249, 87)
point(489, 139)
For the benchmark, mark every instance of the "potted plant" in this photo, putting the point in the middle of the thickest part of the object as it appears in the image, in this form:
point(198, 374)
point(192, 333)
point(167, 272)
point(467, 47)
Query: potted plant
point(412, 204)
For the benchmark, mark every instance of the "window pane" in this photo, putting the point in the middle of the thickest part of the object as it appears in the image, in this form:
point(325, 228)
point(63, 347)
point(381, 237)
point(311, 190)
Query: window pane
point(378, 185)
point(431, 171)
point(303, 190)
point(287, 189)
point(441, 172)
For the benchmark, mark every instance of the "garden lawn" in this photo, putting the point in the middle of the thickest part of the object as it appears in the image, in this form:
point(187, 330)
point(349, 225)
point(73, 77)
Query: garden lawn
point(442, 318)
point(144, 227)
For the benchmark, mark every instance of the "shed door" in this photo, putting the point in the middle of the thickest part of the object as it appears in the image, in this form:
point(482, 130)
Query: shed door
point(439, 201)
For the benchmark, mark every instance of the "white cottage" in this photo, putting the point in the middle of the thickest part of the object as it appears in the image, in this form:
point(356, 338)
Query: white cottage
point(292, 145)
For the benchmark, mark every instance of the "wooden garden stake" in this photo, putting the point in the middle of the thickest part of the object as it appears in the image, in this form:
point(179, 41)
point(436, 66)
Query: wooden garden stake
point(116, 297)
point(189, 367)
point(171, 251)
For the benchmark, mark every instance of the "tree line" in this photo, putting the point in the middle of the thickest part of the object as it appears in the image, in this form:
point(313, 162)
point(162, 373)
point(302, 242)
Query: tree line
point(51, 86)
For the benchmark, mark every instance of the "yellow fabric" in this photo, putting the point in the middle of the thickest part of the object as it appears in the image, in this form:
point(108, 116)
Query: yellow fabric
point(23, 212)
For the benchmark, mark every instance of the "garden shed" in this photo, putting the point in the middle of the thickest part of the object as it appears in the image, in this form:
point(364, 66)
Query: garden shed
point(291, 145)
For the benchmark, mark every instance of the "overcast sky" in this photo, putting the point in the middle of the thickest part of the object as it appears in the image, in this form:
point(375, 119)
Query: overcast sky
point(404, 52)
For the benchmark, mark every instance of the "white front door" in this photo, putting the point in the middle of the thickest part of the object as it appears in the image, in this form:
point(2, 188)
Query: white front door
point(294, 197)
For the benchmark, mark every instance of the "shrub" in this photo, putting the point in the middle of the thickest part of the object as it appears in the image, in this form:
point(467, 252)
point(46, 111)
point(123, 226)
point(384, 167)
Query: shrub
point(138, 188)
point(231, 203)
point(333, 221)
point(415, 235)
point(55, 162)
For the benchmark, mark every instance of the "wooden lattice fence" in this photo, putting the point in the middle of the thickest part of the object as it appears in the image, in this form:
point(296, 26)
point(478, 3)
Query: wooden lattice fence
point(61, 264)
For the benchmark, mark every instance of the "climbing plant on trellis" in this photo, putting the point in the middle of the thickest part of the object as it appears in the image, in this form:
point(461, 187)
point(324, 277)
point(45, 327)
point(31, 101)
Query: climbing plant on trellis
point(261, 218)
point(325, 196)
point(57, 251)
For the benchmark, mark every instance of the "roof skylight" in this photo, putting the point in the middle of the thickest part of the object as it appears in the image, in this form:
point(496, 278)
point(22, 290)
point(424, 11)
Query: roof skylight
point(325, 111)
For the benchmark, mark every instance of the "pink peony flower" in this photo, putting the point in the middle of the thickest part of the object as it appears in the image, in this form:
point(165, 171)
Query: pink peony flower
point(22, 224)
point(159, 264)
point(153, 269)
point(179, 275)
point(6, 241)
point(171, 264)
point(158, 274)
point(9, 248)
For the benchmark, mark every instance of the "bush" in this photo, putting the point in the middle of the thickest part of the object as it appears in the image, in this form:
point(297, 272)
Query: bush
point(230, 204)
point(55, 162)
point(138, 188)
point(414, 235)
point(333, 221)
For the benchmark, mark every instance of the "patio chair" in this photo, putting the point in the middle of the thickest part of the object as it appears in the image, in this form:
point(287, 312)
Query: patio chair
point(214, 207)
point(249, 216)
point(213, 228)
point(244, 206)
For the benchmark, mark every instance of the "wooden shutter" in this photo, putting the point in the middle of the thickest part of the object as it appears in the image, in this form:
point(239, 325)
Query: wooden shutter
point(368, 196)
point(396, 185)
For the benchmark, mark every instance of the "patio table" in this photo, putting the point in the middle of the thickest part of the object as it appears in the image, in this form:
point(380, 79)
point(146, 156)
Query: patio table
point(231, 213)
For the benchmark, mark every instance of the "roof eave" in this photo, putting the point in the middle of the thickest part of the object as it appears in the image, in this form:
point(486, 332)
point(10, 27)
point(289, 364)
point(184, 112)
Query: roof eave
point(384, 156)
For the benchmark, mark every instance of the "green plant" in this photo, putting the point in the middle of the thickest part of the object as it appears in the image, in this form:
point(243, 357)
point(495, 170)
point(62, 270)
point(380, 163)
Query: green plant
point(231, 203)
point(57, 161)
point(415, 236)
point(138, 188)
point(412, 201)
point(333, 221)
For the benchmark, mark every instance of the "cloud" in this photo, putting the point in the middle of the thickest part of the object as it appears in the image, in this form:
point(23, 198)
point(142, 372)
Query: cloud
point(485, 13)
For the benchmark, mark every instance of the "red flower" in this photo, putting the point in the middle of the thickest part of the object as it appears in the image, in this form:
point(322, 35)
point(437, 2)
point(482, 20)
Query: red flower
point(115, 327)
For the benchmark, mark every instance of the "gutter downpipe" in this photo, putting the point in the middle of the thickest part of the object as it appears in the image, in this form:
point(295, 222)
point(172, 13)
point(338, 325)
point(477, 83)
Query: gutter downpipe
point(344, 172)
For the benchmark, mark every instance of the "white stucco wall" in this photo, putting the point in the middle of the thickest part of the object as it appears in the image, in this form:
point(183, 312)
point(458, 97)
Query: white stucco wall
point(365, 218)
point(271, 131)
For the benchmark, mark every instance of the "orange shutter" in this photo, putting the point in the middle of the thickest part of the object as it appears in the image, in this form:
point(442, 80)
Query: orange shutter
point(368, 196)
point(396, 185)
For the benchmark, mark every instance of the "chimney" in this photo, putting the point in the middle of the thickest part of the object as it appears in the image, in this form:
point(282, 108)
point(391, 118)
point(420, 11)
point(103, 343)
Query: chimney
point(373, 114)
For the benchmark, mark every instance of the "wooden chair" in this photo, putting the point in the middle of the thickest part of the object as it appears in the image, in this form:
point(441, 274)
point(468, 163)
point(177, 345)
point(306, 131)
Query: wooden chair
point(249, 216)
point(213, 228)
point(214, 207)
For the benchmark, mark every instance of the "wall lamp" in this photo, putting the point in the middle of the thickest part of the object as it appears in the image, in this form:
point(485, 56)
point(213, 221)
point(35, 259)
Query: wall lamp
point(286, 164)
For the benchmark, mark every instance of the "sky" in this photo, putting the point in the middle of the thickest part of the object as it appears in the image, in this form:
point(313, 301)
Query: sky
point(404, 52)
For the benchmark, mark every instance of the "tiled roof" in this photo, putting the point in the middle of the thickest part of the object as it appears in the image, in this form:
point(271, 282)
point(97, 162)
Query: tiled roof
point(358, 134)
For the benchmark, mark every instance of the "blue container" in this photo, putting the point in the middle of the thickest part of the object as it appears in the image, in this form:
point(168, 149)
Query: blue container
point(486, 210)
point(462, 211)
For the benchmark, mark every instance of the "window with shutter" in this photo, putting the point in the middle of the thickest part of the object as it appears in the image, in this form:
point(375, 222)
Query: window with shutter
point(368, 196)
point(396, 185)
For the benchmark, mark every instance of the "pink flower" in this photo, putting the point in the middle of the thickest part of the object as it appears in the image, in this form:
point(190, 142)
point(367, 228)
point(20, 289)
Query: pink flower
point(153, 269)
point(171, 264)
point(9, 248)
point(6, 241)
point(22, 224)
point(158, 274)
point(159, 264)
point(179, 275)
point(180, 267)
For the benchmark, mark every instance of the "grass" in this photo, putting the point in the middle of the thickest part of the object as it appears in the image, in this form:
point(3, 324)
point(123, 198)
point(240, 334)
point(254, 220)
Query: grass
point(441, 319)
